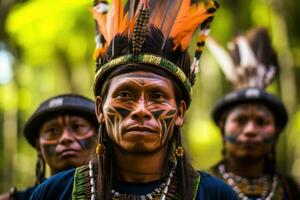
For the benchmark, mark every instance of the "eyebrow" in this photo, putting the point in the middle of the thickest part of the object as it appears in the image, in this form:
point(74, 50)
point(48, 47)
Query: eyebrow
point(51, 122)
point(260, 110)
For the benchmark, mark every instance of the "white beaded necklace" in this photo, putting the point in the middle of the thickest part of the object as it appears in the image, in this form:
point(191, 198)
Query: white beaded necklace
point(230, 179)
point(162, 189)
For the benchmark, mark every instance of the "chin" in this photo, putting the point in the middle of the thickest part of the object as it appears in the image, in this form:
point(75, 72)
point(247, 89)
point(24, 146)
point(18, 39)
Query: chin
point(249, 157)
point(72, 162)
point(141, 148)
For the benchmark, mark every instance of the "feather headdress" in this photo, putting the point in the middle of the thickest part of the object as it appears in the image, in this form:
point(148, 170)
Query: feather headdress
point(127, 35)
point(251, 60)
point(250, 65)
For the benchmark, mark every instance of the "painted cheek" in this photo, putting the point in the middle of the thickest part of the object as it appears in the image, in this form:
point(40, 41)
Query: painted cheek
point(113, 118)
point(123, 112)
point(267, 138)
point(88, 143)
point(231, 138)
point(166, 118)
point(49, 149)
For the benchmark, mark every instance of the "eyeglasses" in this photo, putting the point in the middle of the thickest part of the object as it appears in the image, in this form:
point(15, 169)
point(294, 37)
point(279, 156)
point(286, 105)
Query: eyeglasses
point(55, 131)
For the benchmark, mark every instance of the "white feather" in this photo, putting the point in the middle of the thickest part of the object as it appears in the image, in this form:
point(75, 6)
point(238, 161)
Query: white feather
point(247, 56)
point(223, 58)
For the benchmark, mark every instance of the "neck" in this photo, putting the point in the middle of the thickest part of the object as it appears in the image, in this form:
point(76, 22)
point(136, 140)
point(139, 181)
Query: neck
point(140, 167)
point(245, 168)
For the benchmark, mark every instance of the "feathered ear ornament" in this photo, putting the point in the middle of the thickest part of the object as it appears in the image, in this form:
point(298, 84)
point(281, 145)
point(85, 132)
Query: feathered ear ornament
point(251, 60)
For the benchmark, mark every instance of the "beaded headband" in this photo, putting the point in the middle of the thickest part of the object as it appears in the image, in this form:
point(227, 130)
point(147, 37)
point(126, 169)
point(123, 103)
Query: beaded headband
point(145, 59)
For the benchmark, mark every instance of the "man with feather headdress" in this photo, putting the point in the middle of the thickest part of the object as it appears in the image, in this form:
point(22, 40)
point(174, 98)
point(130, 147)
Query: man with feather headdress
point(142, 88)
point(251, 119)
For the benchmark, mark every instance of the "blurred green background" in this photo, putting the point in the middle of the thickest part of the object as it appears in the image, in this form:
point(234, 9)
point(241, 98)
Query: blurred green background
point(46, 49)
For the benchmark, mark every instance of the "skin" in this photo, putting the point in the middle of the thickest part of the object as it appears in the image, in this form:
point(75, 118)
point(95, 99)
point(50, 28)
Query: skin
point(249, 136)
point(4, 196)
point(66, 150)
point(140, 114)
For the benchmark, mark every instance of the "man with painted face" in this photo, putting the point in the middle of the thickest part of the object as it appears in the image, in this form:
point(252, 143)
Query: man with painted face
point(250, 120)
point(63, 131)
point(142, 89)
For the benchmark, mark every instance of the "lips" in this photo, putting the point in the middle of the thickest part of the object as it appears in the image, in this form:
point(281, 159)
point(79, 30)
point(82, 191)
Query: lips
point(144, 129)
point(250, 144)
point(68, 152)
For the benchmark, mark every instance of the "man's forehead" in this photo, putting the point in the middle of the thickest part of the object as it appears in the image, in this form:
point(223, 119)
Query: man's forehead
point(68, 117)
point(141, 74)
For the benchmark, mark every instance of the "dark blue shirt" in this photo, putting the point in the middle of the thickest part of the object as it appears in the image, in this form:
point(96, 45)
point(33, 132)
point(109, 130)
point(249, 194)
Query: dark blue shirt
point(60, 187)
point(25, 194)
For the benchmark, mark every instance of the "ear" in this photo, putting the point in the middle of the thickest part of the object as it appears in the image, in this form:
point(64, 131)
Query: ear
point(99, 110)
point(181, 114)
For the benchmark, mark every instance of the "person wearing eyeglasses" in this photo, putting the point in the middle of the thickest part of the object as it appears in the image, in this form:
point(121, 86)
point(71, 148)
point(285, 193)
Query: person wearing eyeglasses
point(63, 132)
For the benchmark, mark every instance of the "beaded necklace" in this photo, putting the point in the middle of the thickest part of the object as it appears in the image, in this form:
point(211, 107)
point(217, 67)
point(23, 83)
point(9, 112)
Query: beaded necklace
point(159, 193)
point(268, 190)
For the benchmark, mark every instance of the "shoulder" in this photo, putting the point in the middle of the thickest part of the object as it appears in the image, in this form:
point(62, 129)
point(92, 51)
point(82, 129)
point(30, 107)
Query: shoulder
point(213, 188)
point(290, 186)
point(58, 186)
point(25, 194)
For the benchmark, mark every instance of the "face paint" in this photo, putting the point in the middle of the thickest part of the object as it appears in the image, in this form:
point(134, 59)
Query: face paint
point(250, 131)
point(71, 146)
point(140, 110)
point(267, 139)
point(88, 143)
point(123, 111)
point(156, 114)
point(166, 118)
point(230, 138)
point(49, 150)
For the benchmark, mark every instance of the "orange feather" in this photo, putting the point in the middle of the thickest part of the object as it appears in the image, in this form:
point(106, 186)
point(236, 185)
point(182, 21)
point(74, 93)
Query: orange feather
point(164, 14)
point(187, 22)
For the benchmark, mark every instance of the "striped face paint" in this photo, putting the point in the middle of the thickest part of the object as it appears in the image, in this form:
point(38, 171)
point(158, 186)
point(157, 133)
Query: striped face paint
point(140, 111)
point(266, 139)
point(67, 141)
point(231, 138)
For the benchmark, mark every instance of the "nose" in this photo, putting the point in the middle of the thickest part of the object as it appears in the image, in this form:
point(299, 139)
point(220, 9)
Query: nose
point(250, 129)
point(66, 137)
point(141, 113)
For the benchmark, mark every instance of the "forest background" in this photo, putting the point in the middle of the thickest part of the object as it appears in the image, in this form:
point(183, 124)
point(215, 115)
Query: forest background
point(46, 49)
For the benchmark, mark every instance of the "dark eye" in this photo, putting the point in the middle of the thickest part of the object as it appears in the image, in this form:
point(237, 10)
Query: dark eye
point(157, 96)
point(261, 121)
point(51, 132)
point(80, 128)
point(241, 120)
point(76, 127)
point(124, 95)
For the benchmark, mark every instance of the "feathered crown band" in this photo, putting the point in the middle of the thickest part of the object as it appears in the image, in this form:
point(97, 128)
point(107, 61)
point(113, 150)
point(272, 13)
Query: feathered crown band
point(175, 21)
